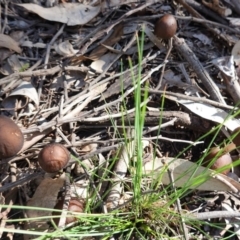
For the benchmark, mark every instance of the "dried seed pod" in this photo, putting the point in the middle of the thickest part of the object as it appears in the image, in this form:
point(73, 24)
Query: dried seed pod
point(53, 157)
point(165, 27)
point(11, 138)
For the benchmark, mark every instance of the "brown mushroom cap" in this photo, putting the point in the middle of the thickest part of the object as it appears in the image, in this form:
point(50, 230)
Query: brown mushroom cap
point(11, 138)
point(75, 205)
point(165, 27)
point(222, 160)
point(53, 157)
point(211, 154)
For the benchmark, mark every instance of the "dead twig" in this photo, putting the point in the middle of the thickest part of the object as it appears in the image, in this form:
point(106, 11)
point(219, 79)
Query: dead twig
point(195, 99)
point(187, 53)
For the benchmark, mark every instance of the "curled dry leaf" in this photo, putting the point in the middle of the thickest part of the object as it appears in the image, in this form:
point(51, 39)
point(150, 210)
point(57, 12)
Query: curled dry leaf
point(65, 49)
point(188, 174)
point(9, 43)
point(103, 62)
point(70, 13)
point(209, 112)
point(26, 89)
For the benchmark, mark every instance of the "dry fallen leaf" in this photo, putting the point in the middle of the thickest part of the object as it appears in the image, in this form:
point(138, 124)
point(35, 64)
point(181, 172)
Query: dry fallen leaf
point(44, 197)
point(10, 43)
point(65, 49)
point(110, 41)
point(208, 112)
point(70, 13)
point(103, 62)
point(189, 175)
point(25, 89)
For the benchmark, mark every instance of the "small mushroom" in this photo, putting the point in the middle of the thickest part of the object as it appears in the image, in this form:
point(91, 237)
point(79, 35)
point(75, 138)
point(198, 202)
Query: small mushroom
point(11, 138)
point(222, 159)
point(75, 205)
point(165, 27)
point(53, 157)
point(211, 154)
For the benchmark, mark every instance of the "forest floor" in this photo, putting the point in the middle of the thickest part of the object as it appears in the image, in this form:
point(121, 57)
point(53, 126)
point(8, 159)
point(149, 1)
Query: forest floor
point(146, 124)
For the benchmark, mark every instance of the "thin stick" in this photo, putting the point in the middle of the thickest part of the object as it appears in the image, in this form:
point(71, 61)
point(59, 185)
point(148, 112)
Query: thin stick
point(207, 81)
point(195, 99)
point(47, 57)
